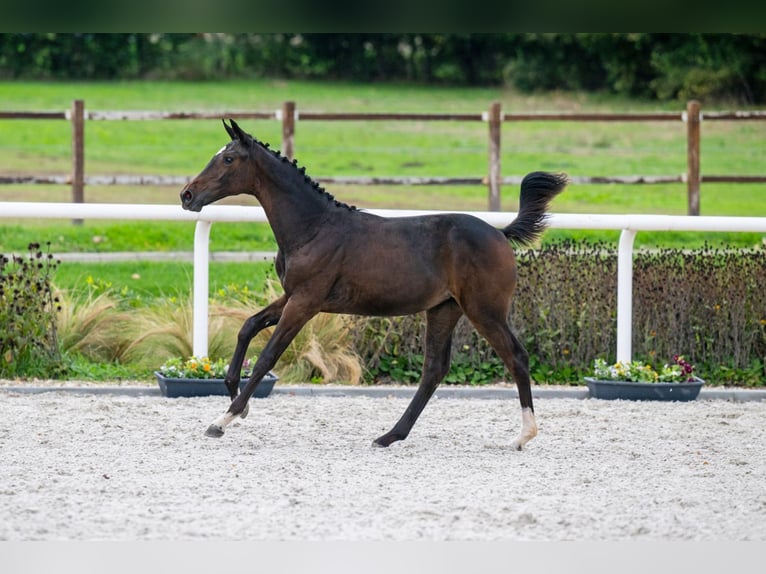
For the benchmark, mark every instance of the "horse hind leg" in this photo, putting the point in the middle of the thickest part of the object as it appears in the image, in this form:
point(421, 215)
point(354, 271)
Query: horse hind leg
point(516, 359)
point(440, 322)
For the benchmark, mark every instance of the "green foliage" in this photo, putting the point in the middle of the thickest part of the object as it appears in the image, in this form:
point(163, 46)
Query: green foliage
point(466, 369)
point(664, 66)
point(398, 369)
point(28, 340)
point(710, 67)
point(80, 368)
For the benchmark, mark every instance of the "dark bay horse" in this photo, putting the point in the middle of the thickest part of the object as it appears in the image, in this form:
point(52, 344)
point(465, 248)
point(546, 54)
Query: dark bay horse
point(334, 258)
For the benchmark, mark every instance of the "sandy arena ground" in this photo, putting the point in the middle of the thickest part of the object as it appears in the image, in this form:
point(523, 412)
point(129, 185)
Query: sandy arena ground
point(104, 467)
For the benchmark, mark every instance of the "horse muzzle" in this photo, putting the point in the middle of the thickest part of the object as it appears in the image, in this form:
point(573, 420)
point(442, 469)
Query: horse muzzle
point(187, 200)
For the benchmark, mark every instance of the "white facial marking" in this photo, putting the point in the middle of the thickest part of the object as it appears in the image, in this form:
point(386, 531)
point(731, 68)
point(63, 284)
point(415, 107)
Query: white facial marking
point(220, 151)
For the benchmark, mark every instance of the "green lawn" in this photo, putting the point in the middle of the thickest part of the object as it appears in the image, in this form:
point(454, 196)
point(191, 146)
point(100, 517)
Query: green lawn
point(361, 148)
point(143, 280)
point(357, 149)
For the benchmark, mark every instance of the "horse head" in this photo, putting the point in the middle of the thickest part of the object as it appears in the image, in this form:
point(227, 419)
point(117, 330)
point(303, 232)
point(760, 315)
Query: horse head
point(227, 173)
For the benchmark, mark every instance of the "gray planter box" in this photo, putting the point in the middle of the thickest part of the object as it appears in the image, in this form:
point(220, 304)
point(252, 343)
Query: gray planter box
point(171, 387)
point(610, 390)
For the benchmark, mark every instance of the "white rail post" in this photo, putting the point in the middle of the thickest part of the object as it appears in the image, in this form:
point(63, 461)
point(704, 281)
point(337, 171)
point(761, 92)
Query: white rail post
point(201, 282)
point(625, 295)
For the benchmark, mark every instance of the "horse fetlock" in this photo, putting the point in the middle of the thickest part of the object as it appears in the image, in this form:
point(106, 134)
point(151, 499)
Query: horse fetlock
point(528, 429)
point(237, 409)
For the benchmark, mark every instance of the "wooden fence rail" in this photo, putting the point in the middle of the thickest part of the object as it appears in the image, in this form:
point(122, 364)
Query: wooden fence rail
point(288, 115)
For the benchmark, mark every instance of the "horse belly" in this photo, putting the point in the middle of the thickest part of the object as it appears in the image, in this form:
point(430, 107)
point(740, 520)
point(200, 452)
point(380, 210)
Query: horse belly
point(386, 294)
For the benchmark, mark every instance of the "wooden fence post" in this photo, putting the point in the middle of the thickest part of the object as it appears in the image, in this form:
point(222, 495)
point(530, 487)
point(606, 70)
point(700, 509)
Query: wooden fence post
point(288, 129)
point(495, 119)
point(78, 154)
point(693, 118)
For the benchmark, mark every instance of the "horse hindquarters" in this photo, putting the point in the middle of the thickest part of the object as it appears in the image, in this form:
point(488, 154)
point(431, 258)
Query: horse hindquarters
point(485, 298)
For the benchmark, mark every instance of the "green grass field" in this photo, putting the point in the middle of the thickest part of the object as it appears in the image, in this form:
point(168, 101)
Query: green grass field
point(144, 280)
point(356, 149)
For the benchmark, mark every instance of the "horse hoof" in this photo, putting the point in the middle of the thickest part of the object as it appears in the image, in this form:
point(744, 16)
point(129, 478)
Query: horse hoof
point(383, 441)
point(214, 431)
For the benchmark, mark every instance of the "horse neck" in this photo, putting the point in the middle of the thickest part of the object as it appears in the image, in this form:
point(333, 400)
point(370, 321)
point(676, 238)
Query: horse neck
point(295, 210)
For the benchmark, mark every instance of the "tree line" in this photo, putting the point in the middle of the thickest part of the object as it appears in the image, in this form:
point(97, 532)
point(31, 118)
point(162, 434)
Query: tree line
point(667, 66)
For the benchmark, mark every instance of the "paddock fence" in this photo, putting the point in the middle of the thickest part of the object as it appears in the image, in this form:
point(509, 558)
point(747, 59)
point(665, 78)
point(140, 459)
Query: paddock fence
point(494, 117)
point(629, 225)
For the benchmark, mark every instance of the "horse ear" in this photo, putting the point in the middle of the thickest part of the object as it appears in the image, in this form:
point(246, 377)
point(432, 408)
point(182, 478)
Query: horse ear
point(244, 138)
point(229, 131)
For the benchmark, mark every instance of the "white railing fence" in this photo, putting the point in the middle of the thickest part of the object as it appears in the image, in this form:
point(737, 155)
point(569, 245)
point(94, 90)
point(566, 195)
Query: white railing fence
point(628, 224)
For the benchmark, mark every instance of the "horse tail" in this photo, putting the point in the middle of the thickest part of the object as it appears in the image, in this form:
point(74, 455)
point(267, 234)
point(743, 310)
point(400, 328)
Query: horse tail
point(537, 190)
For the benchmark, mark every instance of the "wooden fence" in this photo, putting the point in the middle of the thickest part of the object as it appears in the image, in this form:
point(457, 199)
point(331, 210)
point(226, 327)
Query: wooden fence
point(494, 117)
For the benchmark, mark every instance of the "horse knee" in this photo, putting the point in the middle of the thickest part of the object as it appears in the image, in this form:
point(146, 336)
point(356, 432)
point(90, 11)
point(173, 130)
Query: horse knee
point(247, 332)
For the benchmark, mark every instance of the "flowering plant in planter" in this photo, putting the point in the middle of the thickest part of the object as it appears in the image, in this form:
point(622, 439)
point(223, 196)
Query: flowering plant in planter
point(194, 368)
point(199, 368)
point(635, 371)
point(197, 376)
point(637, 381)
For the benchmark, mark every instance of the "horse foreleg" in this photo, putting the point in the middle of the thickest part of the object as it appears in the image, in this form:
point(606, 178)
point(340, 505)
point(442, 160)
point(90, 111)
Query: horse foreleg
point(293, 318)
point(440, 321)
point(267, 317)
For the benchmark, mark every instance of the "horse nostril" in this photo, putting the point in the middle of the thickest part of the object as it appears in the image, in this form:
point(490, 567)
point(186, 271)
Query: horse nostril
point(186, 196)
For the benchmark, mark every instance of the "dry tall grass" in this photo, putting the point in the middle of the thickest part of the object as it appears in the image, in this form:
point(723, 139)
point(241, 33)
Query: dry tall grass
point(102, 330)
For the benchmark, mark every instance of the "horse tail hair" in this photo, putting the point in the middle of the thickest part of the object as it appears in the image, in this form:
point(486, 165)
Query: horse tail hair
point(537, 190)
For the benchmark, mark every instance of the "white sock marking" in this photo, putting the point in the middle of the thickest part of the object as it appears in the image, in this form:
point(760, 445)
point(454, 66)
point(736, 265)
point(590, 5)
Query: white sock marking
point(224, 420)
point(528, 428)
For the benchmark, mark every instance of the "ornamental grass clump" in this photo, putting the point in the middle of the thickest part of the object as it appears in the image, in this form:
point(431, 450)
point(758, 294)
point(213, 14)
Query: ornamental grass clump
point(680, 371)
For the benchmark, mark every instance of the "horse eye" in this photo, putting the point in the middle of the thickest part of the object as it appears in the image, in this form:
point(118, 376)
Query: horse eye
point(228, 160)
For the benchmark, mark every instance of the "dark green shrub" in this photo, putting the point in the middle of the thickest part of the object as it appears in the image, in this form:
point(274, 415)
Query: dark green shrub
point(28, 306)
point(708, 305)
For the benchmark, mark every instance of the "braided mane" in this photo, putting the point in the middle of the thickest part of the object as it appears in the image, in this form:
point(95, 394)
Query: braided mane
point(301, 171)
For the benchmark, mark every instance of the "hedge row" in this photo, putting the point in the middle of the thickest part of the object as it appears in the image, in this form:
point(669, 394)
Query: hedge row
point(708, 305)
